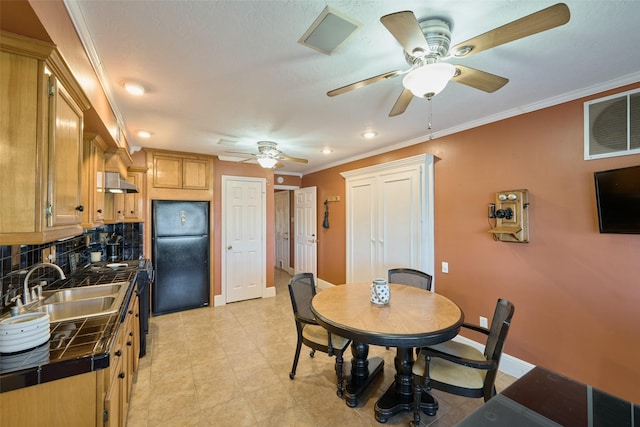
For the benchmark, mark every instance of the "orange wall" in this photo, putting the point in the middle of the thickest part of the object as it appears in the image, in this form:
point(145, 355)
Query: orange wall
point(576, 291)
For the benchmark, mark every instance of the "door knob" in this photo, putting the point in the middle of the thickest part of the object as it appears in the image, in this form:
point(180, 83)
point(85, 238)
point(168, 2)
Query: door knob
point(229, 247)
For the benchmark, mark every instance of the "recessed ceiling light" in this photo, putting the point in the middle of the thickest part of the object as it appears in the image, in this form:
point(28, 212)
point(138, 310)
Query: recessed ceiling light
point(327, 151)
point(134, 88)
point(369, 134)
point(144, 134)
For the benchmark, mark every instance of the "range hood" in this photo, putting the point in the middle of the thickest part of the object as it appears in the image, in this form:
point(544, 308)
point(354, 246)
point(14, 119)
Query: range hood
point(115, 183)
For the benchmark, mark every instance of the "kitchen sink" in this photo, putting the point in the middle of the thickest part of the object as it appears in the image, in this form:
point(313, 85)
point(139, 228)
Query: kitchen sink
point(86, 292)
point(80, 309)
point(83, 302)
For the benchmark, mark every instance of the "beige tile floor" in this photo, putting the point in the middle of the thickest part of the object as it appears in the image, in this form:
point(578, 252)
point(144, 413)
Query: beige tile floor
point(229, 366)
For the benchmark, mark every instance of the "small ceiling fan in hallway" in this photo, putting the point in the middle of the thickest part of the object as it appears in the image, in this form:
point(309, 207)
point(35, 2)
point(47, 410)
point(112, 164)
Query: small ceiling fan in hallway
point(268, 155)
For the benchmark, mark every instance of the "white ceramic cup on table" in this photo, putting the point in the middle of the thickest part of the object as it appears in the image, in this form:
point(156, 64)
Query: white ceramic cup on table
point(380, 292)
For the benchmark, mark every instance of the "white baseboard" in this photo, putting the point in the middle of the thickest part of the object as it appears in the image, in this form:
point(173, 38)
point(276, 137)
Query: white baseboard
point(269, 292)
point(508, 364)
point(219, 300)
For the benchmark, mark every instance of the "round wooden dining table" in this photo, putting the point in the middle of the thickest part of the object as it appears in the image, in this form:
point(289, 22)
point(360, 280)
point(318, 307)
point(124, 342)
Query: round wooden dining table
point(413, 318)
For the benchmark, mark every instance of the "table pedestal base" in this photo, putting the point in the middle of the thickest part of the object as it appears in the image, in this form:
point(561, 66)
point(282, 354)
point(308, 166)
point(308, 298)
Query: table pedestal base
point(399, 396)
point(392, 403)
point(363, 372)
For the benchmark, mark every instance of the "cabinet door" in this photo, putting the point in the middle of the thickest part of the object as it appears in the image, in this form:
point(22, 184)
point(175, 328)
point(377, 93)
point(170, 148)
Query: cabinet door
point(98, 190)
point(20, 204)
point(194, 174)
point(65, 157)
point(113, 208)
point(113, 400)
point(133, 202)
point(167, 171)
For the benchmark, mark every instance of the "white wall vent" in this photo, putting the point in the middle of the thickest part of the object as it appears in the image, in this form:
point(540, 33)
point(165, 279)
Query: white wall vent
point(612, 125)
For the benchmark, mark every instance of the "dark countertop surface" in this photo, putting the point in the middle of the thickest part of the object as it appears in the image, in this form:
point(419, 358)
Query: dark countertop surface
point(76, 346)
point(544, 398)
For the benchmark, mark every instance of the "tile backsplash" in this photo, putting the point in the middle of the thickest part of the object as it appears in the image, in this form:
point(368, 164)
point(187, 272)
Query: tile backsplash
point(70, 254)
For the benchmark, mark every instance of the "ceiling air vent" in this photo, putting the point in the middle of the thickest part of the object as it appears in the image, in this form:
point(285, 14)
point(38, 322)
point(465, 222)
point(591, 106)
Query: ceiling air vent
point(329, 31)
point(612, 126)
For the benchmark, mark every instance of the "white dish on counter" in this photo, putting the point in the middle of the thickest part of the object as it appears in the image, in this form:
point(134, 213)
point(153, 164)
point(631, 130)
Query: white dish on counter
point(117, 265)
point(24, 331)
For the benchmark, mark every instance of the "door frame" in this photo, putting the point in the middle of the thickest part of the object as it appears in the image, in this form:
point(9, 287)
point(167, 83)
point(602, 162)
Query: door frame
point(286, 258)
point(305, 223)
point(263, 231)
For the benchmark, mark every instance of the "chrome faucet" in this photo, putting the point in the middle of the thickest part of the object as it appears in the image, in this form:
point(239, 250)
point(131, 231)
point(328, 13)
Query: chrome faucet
point(25, 291)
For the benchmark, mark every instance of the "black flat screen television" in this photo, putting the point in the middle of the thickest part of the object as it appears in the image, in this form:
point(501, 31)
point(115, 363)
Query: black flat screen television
point(618, 200)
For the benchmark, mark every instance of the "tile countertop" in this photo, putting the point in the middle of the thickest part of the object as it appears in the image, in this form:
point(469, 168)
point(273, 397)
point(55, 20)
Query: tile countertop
point(76, 346)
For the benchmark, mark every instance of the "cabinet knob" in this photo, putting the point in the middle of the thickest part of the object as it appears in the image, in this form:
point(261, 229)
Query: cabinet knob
point(132, 212)
point(129, 343)
point(80, 208)
point(119, 212)
point(99, 210)
point(118, 353)
point(121, 375)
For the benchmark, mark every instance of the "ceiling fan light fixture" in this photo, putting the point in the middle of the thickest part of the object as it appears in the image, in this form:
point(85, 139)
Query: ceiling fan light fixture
point(429, 80)
point(267, 162)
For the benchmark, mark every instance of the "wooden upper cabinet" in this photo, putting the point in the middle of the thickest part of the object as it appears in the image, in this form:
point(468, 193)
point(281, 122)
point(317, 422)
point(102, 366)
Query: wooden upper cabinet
point(134, 202)
point(194, 174)
point(41, 121)
point(167, 171)
point(181, 172)
point(65, 157)
point(93, 181)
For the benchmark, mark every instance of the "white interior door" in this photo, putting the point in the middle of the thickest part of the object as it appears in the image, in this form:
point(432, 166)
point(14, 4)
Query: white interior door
point(244, 237)
point(282, 245)
point(362, 240)
point(305, 225)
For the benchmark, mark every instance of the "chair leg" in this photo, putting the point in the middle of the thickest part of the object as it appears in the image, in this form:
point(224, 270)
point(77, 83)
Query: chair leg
point(292, 374)
point(339, 363)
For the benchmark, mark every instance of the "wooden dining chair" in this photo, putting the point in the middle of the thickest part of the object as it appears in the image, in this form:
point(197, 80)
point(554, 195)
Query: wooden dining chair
point(301, 290)
point(411, 277)
point(461, 369)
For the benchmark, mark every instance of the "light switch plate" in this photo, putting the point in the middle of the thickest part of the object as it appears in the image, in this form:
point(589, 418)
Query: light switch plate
point(445, 267)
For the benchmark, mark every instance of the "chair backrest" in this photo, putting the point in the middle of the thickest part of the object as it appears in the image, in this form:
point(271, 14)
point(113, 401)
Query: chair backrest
point(302, 288)
point(411, 277)
point(499, 329)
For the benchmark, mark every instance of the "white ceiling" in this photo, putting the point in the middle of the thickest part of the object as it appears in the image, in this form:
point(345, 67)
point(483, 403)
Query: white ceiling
point(234, 70)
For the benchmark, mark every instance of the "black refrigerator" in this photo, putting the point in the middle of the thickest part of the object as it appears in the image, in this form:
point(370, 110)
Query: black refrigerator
point(180, 255)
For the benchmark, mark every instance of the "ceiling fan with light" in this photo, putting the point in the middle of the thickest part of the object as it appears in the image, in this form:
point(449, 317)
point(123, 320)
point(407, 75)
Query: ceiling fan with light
point(426, 46)
point(269, 156)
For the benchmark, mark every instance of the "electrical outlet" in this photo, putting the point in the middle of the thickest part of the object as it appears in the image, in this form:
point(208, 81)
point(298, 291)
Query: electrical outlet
point(483, 322)
point(445, 267)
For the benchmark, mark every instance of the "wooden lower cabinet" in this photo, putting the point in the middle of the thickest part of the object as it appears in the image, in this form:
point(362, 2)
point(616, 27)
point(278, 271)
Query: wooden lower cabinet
point(118, 378)
point(69, 402)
